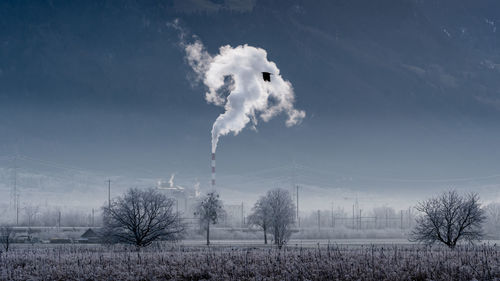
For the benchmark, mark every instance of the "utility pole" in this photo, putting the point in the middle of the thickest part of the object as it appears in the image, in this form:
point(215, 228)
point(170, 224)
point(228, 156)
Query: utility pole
point(15, 183)
point(92, 217)
point(296, 186)
point(297, 197)
point(386, 218)
point(109, 193)
point(242, 216)
point(360, 210)
point(333, 220)
point(355, 210)
point(353, 218)
point(401, 219)
point(409, 217)
point(319, 221)
point(14, 192)
point(17, 209)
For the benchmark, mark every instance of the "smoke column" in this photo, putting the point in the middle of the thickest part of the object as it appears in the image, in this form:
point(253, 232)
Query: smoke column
point(171, 180)
point(249, 96)
point(234, 81)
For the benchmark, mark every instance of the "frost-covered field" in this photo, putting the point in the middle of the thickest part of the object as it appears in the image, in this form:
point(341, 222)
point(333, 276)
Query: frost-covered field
point(398, 262)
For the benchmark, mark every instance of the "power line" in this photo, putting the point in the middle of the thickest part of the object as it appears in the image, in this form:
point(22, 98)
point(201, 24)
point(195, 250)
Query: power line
point(390, 179)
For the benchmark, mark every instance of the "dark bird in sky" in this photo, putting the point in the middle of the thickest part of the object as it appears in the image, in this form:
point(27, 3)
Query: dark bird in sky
point(266, 76)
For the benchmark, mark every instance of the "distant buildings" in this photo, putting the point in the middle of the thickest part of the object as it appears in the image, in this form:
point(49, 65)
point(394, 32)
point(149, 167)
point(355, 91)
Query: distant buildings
point(185, 197)
point(89, 236)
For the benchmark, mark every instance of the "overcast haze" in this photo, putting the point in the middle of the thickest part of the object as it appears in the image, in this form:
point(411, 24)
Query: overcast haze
point(402, 98)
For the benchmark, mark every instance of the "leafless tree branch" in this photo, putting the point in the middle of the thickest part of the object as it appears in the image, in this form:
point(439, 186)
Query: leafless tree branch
point(449, 219)
point(141, 217)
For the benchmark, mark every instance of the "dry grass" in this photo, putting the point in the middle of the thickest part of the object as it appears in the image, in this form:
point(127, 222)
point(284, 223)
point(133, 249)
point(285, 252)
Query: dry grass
point(328, 263)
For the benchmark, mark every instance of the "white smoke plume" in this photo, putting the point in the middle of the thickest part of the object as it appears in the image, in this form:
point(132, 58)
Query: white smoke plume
point(171, 180)
point(197, 188)
point(250, 97)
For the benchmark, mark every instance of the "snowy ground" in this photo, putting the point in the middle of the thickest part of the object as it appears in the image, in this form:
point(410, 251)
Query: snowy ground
point(187, 261)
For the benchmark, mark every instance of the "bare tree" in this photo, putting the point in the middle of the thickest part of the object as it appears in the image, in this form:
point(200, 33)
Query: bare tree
point(140, 217)
point(261, 215)
point(6, 236)
point(209, 210)
point(282, 215)
point(449, 219)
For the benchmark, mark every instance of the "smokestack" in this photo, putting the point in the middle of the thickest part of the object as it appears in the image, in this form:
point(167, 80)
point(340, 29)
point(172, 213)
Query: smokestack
point(213, 170)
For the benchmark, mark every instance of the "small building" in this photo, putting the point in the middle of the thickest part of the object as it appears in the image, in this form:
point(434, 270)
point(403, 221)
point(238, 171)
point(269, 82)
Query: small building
point(89, 236)
point(61, 241)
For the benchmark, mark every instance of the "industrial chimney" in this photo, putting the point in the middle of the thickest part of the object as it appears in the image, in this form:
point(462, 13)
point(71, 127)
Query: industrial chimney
point(213, 170)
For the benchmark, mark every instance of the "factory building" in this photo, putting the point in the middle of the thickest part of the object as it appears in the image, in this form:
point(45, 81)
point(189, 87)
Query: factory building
point(185, 197)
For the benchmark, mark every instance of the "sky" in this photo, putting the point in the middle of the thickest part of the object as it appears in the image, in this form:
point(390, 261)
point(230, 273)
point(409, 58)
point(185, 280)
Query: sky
point(401, 97)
